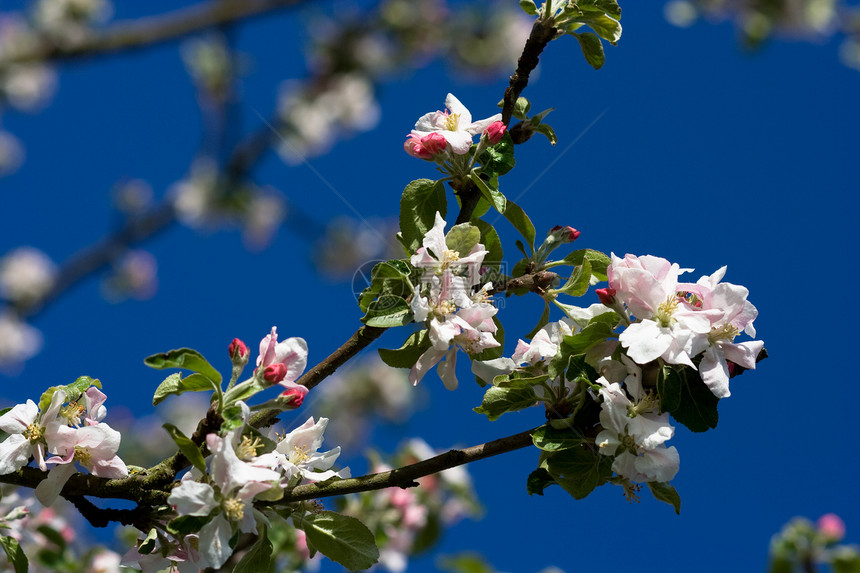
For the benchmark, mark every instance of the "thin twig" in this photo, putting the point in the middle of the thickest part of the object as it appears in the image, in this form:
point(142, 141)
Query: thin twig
point(542, 34)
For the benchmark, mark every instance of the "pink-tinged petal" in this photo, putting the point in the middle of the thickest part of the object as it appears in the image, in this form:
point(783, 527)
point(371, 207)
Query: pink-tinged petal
point(214, 545)
point(434, 240)
point(482, 124)
point(50, 487)
point(95, 399)
point(743, 353)
point(715, 372)
point(267, 348)
point(15, 452)
point(457, 108)
point(447, 370)
point(292, 353)
point(112, 468)
point(308, 437)
point(430, 122)
point(424, 363)
point(50, 414)
point(192, 498)
point(16, 420)
point(487, 370)
point(441, 333)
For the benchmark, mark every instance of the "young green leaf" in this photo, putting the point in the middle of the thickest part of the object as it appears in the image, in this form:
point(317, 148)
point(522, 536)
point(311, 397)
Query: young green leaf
point(420, 202)
point(407, 355)
point(176, 384)
point(552, 439)
point(666, 493)
point(388, 311)
point(16, 555)
point(184, 358)
point(73, 391)
point(188, 448)
point(258, 559)
point(592, 49)
point(579, 470)
point(462, 238)
point(538, 481)
point(341, 538)
point(498, 401)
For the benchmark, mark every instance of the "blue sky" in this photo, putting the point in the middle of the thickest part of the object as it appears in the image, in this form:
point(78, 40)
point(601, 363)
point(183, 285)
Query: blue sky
point(690, 149)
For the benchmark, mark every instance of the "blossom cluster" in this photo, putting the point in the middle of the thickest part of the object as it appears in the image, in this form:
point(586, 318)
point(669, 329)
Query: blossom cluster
point(224, 496)
point(452, 302)
point(73, 432)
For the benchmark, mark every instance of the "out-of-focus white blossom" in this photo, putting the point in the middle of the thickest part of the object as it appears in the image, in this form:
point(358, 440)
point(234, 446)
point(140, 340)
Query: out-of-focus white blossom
point(313, 117)
point(194, 196)
point(18, 341)
point(26, 86)
point(11, 153)
point(26, 275)
point(135, 276)
point(210, 64)
point(69, 22)
point(132, 196)
point(265, 213)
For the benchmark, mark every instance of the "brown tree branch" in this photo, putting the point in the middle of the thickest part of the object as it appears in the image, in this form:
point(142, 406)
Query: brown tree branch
point(142, 32)
point(405, 476)
point(542, 34)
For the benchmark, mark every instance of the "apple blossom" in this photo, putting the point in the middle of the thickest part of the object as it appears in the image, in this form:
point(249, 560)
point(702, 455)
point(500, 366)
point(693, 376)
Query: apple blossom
point(26, 434)
point(296, 454)
point(287, 360)
point(455, 125)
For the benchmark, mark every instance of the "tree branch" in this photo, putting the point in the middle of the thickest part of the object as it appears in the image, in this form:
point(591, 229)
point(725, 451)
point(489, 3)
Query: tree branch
point(405, 477)
point(139, 33)
point(542, 34)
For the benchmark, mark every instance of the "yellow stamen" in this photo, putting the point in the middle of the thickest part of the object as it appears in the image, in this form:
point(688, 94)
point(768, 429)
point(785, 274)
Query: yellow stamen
point(234, 509)
point(452, 121)
point(84, 456)
point(247, 449)
point(299, 455)
point(33, 432)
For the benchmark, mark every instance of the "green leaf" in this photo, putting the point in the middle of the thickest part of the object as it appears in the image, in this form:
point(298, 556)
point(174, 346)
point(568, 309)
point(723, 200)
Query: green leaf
point(73, 391)
point(599, 261)
point(498, 401)
point(407, 355)
point(490, 240)
point(552, 439)
point(341, 538)
point(548, 132)
point(577, 284)
point(498, 159)
point(521, 222)
point(607, 28)
point(387, 311)
point(495, 197)
point(176, 384)
point(846, 560)
point(188, 448)
point(258, 559)
point(427, 536)
point(538, 481)
point(420, 202)
point(53, 536)
point(186, 524)
point(595, 332)
point(387, 277)
point(15, 554)
point(529, 7)
point(147, 546)
point(608, 7)
point(579, 470)
point(697, 405)
point(592, 49)
point(669, 386)
point(666, 493)
point(521, 108)
point(465, 562)
point(185, 358)
point(461, 238)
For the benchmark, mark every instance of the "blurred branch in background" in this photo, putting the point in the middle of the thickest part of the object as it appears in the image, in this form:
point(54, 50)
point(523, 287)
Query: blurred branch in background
point(806, 547)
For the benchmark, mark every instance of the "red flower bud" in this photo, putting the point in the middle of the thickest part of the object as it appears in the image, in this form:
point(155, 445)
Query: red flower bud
point(425, 147)
point(606, 295)
point(831, 526)
point(568, 234)
point(238, 351)
point(274, 373)
point(297, 396)
point(495, 131)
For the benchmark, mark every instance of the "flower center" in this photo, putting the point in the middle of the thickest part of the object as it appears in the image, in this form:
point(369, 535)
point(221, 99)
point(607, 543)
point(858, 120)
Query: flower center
point(452, 122)
point(234, 509)
point(724, 332)
point(72, 413)
point(664, 313)
point(84, 456)
point(33, 432)
point(300, 455)
point(690, 298)
point(247, 449)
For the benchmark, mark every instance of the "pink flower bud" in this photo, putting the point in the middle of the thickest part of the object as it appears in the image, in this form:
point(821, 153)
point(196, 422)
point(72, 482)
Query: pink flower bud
point(831, 526)
point(274, 373)
point(295, 396)
point(606, 296)
point(425, 147)
point(495, 131)
point(568, 234)
point(238, 351)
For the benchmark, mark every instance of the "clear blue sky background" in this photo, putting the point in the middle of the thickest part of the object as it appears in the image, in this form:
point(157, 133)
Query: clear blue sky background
point(702, 154)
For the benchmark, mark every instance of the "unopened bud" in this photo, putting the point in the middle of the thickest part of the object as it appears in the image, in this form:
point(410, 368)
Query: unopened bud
point(606, 296)
point(238, 352)
point(274, 373)
point(566, 234)
point(831, 526)
point(425, 147)
point(495, 131)
point(292, 397)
